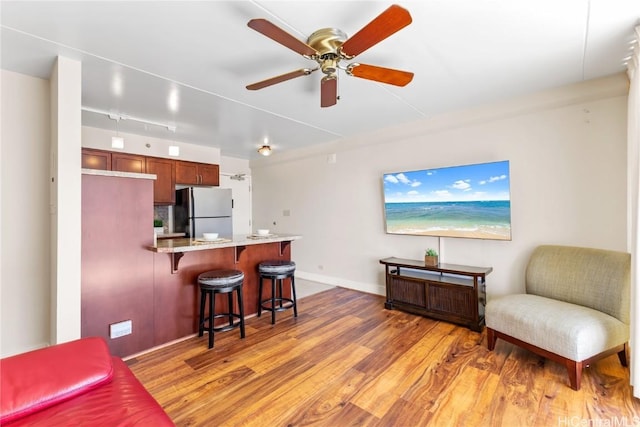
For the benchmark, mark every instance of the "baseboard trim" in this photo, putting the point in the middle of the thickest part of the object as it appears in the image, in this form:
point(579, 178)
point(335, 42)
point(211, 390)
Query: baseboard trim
point(369, 288)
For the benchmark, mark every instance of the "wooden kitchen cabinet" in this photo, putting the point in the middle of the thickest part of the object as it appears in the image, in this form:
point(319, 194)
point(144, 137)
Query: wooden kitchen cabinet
point(192, 173)
point(209, 174)
point(124, 162)
point(168, 172)
point(165, 184)
point(96, 159)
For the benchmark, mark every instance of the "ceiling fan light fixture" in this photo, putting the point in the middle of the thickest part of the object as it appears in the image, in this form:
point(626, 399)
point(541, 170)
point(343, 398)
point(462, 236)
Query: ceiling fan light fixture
point(265, 150)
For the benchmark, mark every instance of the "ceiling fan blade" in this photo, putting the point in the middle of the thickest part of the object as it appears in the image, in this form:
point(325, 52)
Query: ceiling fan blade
point(281, 78)
point(388, 22)
point(380, 74)
point(279, 35)
point(328, 91)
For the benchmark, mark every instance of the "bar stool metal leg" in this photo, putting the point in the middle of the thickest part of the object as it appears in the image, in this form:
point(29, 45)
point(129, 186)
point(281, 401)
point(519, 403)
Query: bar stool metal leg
point(261, 279)
point(241, 307)
point(295, 300)
point(212, 306)
point(203, 299)
point(273, 301)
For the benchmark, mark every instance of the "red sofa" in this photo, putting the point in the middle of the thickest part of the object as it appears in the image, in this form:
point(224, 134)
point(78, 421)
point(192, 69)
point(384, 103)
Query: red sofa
point(77, 383)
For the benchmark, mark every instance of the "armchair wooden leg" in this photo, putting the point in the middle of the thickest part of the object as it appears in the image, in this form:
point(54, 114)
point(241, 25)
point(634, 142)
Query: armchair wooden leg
point(622, 355)
point(491, 339)
point(574, 369)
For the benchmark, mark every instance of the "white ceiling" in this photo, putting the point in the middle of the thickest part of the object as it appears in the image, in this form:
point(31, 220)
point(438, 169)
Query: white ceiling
point(464, 53)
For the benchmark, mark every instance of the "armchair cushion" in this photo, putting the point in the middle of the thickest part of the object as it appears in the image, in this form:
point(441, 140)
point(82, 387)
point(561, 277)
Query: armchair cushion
point(569, 330)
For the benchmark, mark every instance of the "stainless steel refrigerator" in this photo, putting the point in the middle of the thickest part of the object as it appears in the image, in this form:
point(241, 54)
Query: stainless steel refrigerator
point(203, 210)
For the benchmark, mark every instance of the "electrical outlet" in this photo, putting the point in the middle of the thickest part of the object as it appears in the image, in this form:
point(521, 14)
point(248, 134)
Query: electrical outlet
point(120, 329)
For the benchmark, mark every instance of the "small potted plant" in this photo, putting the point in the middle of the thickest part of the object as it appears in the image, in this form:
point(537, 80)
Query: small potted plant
point(158, 226)
point(431, 257)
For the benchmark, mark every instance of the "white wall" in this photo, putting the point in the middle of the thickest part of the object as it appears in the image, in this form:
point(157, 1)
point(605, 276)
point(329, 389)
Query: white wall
point(24, 167)
point(567, 153)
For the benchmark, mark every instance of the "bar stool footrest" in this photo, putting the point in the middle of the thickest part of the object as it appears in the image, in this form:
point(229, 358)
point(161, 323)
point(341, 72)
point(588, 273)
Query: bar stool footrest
point(287, 303)
point(226, 327)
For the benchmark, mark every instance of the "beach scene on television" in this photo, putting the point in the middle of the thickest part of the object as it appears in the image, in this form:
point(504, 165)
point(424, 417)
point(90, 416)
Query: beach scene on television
point(470, 201)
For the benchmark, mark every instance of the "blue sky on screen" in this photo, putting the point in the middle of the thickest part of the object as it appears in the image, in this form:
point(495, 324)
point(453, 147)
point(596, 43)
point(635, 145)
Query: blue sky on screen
point(479, 182)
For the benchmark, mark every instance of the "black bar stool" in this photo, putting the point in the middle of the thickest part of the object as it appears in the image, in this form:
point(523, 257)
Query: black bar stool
point(277, 271)
point(220, 282)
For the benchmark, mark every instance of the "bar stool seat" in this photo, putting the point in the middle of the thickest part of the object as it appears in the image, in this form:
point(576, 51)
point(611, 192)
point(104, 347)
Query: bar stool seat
point(277, 271)
point(216, 282)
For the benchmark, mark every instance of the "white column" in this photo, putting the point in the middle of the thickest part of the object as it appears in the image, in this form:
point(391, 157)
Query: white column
point(65, 181)
point(633, 190)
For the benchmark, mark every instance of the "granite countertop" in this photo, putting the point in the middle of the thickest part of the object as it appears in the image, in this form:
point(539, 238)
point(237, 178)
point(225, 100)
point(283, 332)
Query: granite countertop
point(198, 244)
point(118, 174)
point(170, 235)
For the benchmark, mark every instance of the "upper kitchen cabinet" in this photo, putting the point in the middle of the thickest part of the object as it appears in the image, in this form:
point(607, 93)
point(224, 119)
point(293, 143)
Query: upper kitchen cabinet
point(165, 184)
point(124, 162)
point(192, 173)
point(96, 159)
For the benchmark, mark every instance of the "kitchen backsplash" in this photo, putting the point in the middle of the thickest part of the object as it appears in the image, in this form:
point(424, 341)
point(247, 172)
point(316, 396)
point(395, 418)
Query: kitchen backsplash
point(162, 212)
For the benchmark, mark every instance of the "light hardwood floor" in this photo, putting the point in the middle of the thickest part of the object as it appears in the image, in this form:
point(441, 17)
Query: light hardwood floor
point(347, 361)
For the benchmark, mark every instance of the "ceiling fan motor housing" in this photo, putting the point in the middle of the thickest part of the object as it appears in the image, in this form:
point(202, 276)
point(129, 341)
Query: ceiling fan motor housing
point(327, 40)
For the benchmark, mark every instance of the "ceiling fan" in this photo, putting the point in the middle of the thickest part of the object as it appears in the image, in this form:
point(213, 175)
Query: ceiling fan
point(329, 46)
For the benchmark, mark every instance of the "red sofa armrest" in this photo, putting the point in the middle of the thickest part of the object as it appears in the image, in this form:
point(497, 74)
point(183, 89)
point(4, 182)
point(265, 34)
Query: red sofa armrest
point(41, 378)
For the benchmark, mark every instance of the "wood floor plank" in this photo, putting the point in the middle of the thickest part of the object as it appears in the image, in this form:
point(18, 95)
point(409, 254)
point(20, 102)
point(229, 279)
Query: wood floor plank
point(379, 395)
point(345, 360)
point(457, 405)
point(443, 367)
point(323, 366)
point(329, 401)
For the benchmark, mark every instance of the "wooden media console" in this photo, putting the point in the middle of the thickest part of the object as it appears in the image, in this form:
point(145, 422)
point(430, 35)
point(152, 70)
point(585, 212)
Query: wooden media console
point(455, 293)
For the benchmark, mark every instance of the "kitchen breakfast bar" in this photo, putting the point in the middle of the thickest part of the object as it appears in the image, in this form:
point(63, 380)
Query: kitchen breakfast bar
point(138, 292)
point(178, 262)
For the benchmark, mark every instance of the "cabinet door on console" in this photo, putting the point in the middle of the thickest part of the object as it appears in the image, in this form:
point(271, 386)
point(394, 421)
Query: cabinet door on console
point(96, 159)
point(164, 185)
point(123, 162)
point(409, 291)
point(459, 302)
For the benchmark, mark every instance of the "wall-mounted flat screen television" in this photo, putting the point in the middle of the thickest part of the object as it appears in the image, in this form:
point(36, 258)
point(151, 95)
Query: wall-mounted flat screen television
point(471, 201)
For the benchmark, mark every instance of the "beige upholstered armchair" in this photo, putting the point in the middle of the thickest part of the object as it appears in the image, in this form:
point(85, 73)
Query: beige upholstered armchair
point(575, 310)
